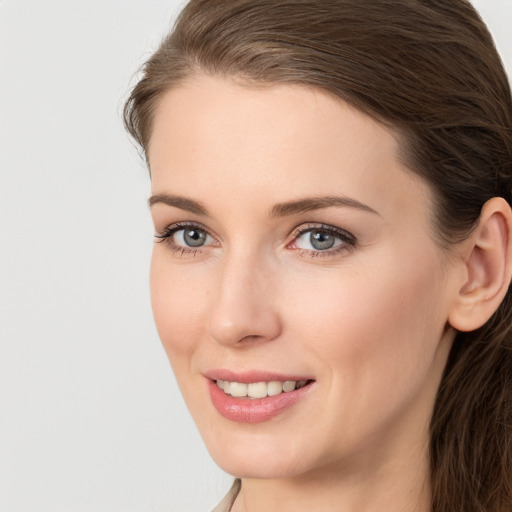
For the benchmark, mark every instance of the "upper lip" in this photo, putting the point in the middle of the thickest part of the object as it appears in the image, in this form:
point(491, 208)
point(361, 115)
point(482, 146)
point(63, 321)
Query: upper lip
point(248, 376)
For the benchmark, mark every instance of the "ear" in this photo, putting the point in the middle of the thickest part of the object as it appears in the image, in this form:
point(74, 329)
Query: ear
point(488, 267)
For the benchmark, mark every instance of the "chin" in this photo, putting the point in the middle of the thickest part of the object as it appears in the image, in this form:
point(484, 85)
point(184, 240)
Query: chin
point(258, 468)
point(259, 456)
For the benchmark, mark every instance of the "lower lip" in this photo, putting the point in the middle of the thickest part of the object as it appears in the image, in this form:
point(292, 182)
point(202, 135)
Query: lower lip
point(255, 410)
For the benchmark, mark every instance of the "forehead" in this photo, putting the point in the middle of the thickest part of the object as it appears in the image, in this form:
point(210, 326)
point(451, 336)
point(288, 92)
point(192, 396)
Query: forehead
point(285, 140)
point(292, 112)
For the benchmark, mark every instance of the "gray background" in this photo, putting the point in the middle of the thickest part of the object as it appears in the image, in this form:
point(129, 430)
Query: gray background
point(90, 415)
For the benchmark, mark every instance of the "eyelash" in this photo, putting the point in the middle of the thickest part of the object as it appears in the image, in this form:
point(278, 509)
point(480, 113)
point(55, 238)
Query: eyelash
point(166, 237)
point(349, 241)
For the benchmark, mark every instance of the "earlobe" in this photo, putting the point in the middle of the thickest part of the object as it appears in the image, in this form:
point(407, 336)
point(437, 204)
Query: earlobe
point(488, 262)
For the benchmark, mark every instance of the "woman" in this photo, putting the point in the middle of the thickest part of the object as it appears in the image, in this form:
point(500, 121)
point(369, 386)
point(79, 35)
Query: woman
point(331, 189)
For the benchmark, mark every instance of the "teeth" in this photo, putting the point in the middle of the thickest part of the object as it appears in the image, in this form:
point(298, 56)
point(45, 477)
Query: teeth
point(288, 386)
point(237, 389)
point(274, 388)
point(259, 389)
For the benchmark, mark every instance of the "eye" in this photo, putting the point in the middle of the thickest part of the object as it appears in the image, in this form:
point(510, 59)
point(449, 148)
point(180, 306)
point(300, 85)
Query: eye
point(186, 237)
point(322, 239)
point(190, 237)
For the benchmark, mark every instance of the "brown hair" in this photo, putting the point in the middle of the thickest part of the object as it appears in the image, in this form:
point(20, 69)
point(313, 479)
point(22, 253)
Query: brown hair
point(429, 70)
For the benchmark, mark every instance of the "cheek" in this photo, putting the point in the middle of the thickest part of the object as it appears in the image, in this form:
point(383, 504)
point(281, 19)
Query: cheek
point(375, 339)
point(176, 296)
point(377, 329)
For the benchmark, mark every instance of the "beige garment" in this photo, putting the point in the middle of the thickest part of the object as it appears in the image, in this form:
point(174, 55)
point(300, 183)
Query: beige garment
point(226, 504)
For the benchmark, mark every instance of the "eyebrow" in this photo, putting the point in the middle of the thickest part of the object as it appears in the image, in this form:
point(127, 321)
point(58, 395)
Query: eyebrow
point(182, 203)
point(316, 203)
point(279, 210)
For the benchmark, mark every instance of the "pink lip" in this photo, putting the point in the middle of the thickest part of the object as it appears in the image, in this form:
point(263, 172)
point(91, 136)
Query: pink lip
point(246, 377)
point(245, 410)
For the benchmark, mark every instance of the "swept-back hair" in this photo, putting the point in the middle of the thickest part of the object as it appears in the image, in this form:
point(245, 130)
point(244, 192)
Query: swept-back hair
point(429, 70)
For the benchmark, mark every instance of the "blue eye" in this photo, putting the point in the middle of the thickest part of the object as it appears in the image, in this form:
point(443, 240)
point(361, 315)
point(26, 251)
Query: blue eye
point(322, 239)
point(190, 237)
point(185, 237)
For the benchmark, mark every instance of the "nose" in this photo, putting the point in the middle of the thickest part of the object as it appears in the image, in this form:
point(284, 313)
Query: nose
point(243, 305)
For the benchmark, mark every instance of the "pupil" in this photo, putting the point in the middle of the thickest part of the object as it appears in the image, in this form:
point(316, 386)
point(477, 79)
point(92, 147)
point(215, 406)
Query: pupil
point(321, 240)
point(194, 237)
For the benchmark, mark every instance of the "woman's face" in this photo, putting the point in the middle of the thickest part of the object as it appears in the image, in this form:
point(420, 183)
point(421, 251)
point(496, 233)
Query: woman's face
point(295, 247)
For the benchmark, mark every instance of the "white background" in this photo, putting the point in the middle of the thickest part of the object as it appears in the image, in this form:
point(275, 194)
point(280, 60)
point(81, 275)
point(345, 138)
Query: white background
point(90, 416)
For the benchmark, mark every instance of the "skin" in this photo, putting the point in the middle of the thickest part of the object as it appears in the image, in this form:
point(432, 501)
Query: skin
point(369, 322)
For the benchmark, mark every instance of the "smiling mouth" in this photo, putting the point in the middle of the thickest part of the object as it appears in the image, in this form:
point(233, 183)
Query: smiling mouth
point(254, 390)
